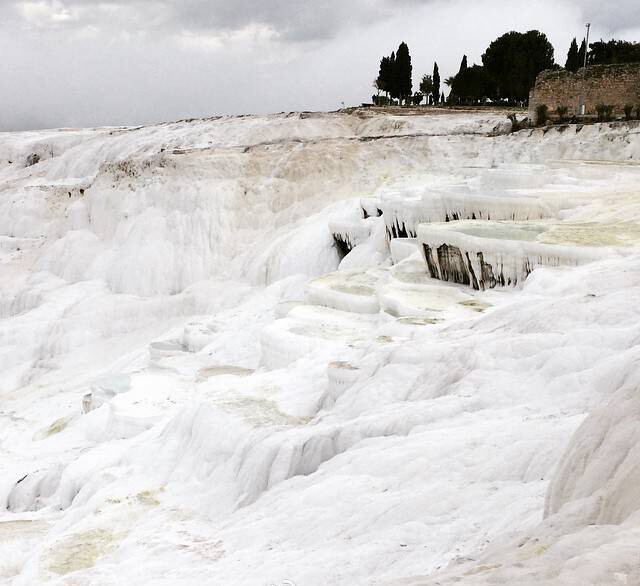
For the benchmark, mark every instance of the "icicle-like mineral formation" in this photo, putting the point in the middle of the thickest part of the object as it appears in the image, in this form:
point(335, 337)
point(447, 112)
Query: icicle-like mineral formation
point(486, 254)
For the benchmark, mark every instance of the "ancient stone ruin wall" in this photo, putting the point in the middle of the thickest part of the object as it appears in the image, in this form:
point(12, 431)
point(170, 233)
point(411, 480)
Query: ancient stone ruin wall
point(616, 85)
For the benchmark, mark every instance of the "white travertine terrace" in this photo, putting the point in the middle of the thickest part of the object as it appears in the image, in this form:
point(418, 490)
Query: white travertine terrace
point(197, 386)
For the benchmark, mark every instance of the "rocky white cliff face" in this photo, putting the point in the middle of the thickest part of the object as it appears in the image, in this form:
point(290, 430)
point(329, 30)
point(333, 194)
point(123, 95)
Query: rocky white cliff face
point(198, 386)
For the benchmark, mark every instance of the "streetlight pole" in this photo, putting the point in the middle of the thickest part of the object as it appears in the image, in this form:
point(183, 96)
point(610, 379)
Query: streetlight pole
point(582, 108)
point(586, 45)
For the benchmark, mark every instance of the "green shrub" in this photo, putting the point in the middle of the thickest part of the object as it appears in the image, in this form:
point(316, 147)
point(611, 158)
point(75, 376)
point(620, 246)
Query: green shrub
point(562, 111)
point(542, 114)
point(380, 100)
point(638, 111)
point(628, 111)
point(604, 111)
point(608, 112)
point(516, 124)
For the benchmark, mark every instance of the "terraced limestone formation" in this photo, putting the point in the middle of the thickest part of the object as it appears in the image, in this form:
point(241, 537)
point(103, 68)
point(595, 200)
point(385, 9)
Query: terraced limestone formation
point(226, 358)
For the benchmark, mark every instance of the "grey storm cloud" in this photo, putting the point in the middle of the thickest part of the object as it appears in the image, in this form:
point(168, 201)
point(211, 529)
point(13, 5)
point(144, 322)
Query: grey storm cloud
point(606, 16)
point(290, 20)
point(626, 13)
point(294, 20)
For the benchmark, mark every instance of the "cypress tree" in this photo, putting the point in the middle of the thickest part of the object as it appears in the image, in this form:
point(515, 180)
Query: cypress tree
point(581, 52)
point(436, 83)
point(463, 65)
point(572, 63)
point(442, 98)
point(380, 81)
point(393, 77)
point(384, 76)
point(403, 70)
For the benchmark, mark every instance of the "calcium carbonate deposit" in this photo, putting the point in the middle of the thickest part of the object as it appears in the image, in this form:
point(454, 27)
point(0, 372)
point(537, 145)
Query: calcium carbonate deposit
point(320, 349)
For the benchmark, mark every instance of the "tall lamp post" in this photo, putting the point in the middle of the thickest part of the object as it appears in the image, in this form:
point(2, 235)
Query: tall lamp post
point(582, 108)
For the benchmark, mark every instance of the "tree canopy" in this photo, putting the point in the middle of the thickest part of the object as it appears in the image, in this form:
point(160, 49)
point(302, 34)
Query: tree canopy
point(383, 81)
point(394, 76)
point(508, 71)
point(604, 53)
point(426, 85)
point(513, 62)
point(573, 63)
point(463, 64)
point(403, 72)
point(471, 85)
point(581, 52)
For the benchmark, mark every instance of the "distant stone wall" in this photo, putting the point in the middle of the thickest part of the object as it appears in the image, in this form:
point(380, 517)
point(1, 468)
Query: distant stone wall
point(602, 84)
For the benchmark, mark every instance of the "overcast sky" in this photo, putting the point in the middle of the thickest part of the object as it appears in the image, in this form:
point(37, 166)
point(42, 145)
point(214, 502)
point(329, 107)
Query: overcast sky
point(95, 62)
